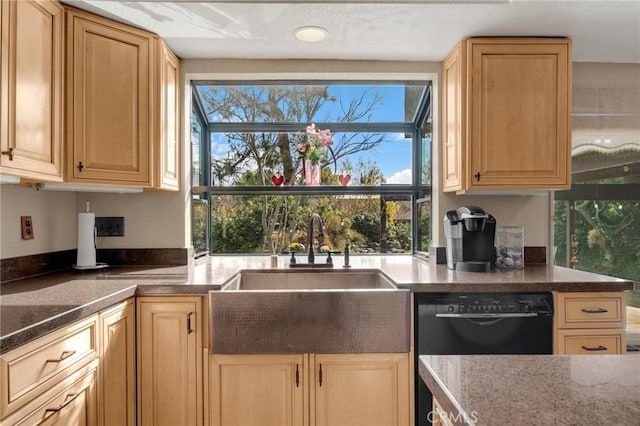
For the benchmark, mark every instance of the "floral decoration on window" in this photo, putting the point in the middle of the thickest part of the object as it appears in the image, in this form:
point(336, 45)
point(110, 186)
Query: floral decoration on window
point(315, 152)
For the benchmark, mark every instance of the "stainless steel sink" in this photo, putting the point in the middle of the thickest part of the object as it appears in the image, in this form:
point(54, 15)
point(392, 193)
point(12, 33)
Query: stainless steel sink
point(309, 311)
point(295, 280)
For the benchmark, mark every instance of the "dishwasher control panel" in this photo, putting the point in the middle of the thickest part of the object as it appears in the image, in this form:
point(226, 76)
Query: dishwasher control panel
point(541, 303)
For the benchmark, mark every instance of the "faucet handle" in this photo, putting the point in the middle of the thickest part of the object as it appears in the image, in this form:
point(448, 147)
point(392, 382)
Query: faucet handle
point(329, 258)
point(293, 257)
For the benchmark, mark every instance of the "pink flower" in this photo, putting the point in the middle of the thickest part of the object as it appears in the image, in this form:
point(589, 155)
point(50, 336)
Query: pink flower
point(325, 137)
point(311, 130)
point(302, 148)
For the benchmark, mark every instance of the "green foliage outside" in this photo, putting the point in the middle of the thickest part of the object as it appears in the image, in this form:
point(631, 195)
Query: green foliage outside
point(606, 237)
point(237, 228)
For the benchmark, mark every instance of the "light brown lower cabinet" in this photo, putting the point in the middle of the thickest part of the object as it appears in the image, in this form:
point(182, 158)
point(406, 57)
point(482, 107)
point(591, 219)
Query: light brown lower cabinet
point(29, 372)
point(309, 389)
point(117, 365)
point(589, 323)
point(591, 342)
point(257, 390)
point(169, 360)
point(74, 401)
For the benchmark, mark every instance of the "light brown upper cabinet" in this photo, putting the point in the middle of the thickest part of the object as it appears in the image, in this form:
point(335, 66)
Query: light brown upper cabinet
point(167, 161)
point(506, 114)
point(32, 89)
point(122, 105)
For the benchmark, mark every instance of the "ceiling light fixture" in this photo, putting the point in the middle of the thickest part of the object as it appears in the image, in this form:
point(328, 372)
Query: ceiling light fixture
point(310, 34)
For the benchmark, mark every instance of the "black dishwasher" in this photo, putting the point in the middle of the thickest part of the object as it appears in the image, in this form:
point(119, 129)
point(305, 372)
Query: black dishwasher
point(478, 324)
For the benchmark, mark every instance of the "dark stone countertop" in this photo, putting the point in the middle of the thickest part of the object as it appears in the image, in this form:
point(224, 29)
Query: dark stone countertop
point(535, 389)
point(32, 307)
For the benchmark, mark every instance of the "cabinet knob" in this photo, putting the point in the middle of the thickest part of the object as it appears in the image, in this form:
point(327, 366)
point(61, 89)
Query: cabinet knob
point(477, 176)
point(80, 166)
point(9, 152)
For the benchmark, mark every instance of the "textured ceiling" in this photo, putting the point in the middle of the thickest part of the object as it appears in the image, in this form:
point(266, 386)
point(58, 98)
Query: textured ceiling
point(415, 30)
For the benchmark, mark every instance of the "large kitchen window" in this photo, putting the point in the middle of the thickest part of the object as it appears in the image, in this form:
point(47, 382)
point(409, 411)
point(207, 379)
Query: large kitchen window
point(267, 155)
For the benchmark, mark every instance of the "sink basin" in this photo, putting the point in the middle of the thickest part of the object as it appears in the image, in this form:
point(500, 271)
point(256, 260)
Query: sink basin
point(294, 280)
point(272, 311)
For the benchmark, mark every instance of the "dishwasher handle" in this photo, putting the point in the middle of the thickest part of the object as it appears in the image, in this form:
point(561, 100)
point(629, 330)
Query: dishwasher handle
point(490, 315)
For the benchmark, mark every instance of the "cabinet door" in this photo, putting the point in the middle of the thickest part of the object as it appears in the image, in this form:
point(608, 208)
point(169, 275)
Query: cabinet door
point(257, 390)
point(76, 404)
point(31, 100)
point(361, 389)
point(520, 114)
point(111, 76)
point(169, 361)
point(453, 131)
point(168, 158)
point(117, 378)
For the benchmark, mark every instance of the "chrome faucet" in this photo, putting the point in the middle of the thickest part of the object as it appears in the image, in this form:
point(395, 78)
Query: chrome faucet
point(315, 217)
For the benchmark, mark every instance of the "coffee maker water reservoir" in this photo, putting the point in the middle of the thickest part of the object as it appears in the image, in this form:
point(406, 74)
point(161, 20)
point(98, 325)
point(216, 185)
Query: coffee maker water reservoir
point(470, 234)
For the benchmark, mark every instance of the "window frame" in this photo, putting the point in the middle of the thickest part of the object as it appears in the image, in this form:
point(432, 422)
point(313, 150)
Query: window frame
point(417, 191)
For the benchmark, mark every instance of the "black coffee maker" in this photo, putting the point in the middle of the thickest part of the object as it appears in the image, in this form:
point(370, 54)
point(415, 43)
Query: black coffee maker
point(470, 233)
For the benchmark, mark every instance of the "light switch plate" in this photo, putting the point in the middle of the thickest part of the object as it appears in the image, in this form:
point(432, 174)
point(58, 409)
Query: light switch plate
point(26, 225)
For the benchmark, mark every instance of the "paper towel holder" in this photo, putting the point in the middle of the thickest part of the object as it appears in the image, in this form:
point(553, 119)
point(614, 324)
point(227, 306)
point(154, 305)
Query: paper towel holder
point(87, 242)
point(98, 265)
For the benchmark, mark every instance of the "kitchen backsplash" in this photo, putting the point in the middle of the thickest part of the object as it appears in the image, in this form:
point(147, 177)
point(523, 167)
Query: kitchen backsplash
point(26, 266)
point(532, 255)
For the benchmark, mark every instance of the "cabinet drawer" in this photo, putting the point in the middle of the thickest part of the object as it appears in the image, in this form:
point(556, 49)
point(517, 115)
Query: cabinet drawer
point(39, 365)
point(591, 342)
point(72, 402)
point(600, 310)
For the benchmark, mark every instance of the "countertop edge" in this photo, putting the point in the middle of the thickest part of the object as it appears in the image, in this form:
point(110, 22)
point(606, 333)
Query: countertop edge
point(32, 332)
point(445, 400)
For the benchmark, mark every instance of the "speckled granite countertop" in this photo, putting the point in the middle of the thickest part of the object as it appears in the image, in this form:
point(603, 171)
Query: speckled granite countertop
point(535, 389)
point(34, 306)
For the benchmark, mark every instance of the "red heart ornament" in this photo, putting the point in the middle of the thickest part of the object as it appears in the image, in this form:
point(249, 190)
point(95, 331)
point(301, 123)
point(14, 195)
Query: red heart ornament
point(277, 180)
point(344, 179)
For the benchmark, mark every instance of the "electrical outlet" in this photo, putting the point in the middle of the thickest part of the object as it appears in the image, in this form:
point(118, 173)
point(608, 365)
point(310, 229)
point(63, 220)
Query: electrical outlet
point(26, 225)
point(110, 226)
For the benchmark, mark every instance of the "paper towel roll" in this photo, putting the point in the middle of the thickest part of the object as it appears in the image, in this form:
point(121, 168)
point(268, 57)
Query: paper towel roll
point(86, 239)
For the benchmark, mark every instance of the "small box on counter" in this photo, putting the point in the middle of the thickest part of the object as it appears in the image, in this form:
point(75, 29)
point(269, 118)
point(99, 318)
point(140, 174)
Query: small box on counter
point(509, 247)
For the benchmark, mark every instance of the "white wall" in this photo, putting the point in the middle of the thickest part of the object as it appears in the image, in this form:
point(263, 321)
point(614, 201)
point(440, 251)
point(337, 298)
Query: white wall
point(531, 211)
point(53, 215)
point(151, 219)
